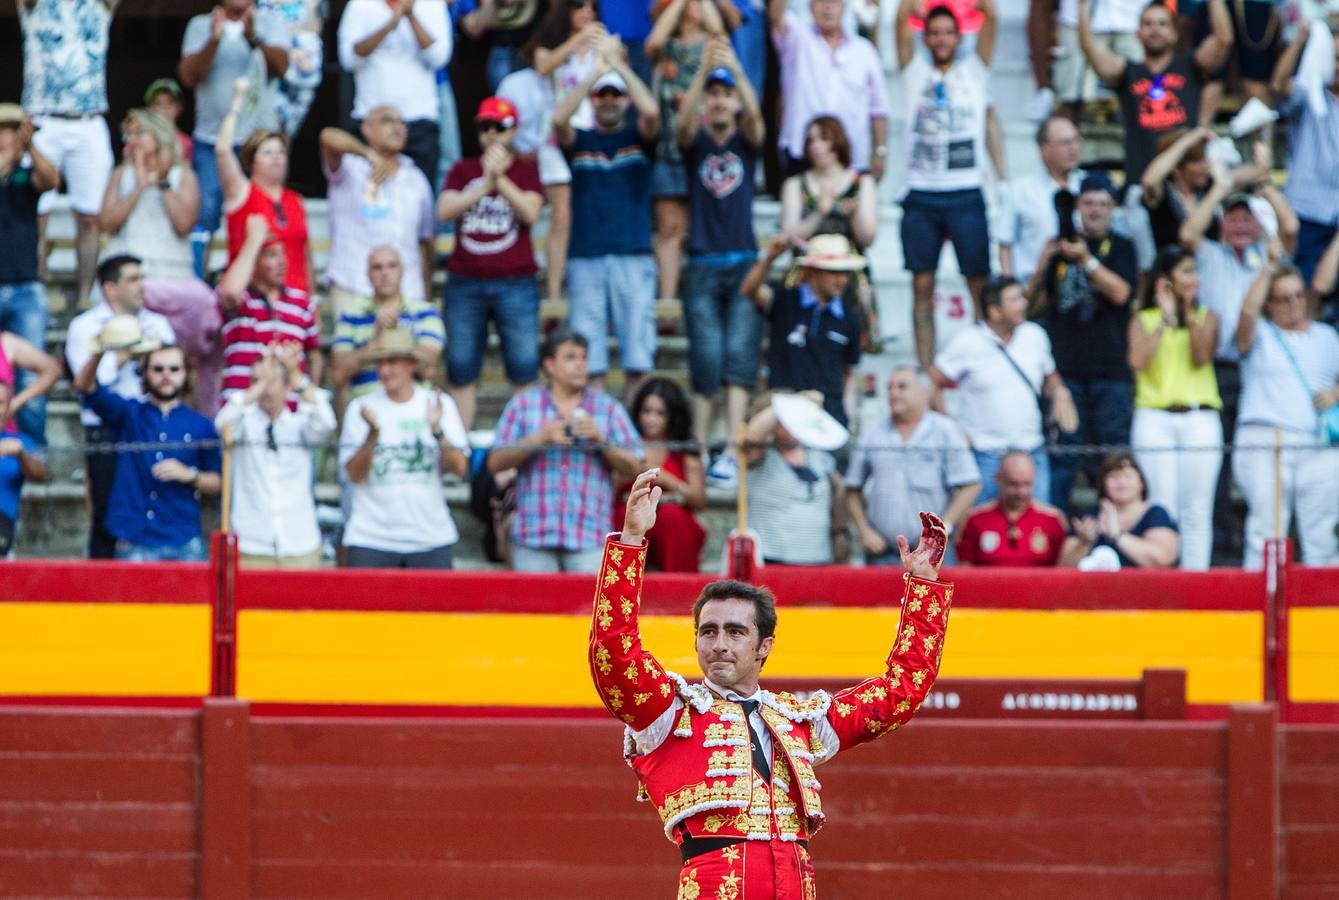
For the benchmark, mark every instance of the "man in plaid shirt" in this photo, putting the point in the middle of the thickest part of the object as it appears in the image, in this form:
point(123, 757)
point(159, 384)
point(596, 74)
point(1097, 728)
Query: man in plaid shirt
point(567, 442)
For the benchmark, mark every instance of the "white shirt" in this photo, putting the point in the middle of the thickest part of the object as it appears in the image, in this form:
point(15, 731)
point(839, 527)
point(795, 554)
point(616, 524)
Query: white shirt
point(399, 73)
point(1224, 281)
point(653, 735)
point(532, 95)
point(363, 214)
point(1117, 16)
point(401, 507)
point(273, 510)
point(148, 232)
point(125, 379)
point(1272, 392)
point(1027, 217)
point(945, 137)
point(999, 411)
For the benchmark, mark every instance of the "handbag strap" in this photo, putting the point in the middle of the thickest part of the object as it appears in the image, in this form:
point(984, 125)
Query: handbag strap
point(1036, 394)
point(1278, 336)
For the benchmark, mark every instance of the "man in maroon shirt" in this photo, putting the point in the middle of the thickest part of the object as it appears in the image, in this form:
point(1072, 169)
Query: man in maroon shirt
point(493, 199)
point(1013, 529)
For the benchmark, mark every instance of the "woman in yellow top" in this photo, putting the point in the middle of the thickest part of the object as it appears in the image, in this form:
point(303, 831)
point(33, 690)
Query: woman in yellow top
point(1176, 432)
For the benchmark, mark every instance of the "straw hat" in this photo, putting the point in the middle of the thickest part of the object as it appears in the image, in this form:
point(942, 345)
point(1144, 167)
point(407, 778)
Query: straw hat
point(831, 253)
point(808, 422)
point(123, 335)
point(397, 343)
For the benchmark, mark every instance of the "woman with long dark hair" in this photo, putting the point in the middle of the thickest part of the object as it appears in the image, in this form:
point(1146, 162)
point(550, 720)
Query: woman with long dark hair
point(1176, 431)
point(660, 412)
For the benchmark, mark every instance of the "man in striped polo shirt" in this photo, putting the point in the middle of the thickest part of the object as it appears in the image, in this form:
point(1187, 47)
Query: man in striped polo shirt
point(259, 310)
point(352, 363)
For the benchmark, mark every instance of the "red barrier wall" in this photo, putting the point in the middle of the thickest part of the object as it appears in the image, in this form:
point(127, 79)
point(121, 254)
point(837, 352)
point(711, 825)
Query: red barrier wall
point(217, 804)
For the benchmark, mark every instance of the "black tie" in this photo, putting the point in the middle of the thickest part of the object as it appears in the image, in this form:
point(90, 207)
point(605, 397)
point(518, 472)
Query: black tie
point(760, 760)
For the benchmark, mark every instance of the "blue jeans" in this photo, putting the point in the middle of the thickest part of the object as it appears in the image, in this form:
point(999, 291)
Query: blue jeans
point(513, 305)
point(23, 312)
point(211, 203)
point(500, 63)
point(448, 138)
point(621, 287)
point(191, 551)
point(988, 461)
point(555, 559)
point(724, 328)
point(1312, 239)
point(1104, 406)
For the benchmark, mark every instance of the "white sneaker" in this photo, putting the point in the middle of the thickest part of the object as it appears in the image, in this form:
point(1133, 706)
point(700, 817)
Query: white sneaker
point(724, 472)
point(1041, 106)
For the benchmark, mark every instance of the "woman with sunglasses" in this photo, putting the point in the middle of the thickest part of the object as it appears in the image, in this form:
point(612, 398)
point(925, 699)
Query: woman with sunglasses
point(1176, 430)
point(1289, 377)
point(254, 185)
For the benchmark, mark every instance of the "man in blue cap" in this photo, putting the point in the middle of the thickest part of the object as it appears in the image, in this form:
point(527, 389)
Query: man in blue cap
point(1081, 294)
point(721, 131)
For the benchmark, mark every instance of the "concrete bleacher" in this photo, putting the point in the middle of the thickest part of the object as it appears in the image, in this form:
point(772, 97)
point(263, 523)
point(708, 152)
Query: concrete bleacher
point(53, 519)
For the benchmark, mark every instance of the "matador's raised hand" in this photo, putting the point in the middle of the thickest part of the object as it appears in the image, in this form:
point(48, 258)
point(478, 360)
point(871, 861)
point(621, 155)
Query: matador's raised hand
point(641, 510)
point(925, 560)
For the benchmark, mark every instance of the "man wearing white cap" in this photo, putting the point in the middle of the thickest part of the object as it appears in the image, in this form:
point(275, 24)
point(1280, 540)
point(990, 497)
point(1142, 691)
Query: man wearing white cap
point(611, 272)
point(814, 340)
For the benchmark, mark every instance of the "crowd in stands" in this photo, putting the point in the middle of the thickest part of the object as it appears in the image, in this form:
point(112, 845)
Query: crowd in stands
point(1132, 320)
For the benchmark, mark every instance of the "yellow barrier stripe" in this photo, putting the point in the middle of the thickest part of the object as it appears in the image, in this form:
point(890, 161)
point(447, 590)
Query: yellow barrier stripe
point(540, 660)
point(1313, 654)
point(104, 649)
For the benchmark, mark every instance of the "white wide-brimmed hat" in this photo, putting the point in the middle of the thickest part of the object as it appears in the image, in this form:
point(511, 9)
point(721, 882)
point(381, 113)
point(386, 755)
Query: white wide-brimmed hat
point(122, 334)
point(831, 253)
point(808, 422)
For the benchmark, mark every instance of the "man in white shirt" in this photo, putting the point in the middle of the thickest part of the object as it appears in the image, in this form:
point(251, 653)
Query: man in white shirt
point(273, 509)
point(122, 283)
point(394, 446)
point(1003, 368)
point(1029, 214)
point(378, 197)
point(947, 101)
point(394, 49)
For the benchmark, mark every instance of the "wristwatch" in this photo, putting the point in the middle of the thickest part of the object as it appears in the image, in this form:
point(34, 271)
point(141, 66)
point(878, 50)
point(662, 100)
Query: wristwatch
point(881, 150)
point(1092, 265)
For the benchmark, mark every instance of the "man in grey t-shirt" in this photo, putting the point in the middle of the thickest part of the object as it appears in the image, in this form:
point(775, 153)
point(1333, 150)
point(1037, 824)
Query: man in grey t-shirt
point(916, 459)
point(233, 41)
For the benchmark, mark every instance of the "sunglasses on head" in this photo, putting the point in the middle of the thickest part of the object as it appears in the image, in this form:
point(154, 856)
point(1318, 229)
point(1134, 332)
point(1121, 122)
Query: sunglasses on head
point(487, 126)
point(280, 219)
point(603, 93)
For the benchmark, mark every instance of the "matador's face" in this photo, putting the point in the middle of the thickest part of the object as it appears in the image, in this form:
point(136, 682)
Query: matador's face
point(728, 647)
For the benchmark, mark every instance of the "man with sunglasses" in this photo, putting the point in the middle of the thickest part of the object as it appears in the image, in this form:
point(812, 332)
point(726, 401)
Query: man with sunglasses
point(1014, 529)
point(1157, 94)
point(947, 101)
point(493, 199)
point(154, 510)
point(610, 270)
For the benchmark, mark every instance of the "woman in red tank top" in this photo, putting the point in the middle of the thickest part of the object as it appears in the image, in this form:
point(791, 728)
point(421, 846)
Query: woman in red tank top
point(660, 412)
point(264, 155)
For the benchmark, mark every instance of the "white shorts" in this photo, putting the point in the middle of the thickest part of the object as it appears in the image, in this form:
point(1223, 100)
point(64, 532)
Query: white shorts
point(82, 150)
point(553, 168)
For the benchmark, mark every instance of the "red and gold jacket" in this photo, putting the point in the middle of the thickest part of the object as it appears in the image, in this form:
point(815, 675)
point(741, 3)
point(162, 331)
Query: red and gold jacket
point(690, 747)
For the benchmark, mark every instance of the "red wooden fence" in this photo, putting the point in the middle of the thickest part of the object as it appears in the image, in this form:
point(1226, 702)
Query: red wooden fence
point(219, 804)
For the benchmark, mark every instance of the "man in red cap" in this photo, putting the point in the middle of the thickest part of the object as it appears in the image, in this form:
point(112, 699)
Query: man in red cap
point(730, 766)
point(493, 200)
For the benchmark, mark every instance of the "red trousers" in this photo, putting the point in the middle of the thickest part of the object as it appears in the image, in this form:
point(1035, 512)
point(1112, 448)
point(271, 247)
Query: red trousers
point(751, 870)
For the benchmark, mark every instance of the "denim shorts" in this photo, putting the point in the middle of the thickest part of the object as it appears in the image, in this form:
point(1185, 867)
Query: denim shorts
point(191, 551)
point(930, 217)
point(512, 304)
point(724, 327)
point(668, 179)
point(618, 287)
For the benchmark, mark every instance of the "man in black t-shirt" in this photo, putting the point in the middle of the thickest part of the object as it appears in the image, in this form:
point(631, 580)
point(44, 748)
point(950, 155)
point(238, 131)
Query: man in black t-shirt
point(724, 329)
point(1081, 294)
point(813, 339)
point(1157, 95)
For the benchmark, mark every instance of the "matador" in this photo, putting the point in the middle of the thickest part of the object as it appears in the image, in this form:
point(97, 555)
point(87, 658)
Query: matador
point(730, 766)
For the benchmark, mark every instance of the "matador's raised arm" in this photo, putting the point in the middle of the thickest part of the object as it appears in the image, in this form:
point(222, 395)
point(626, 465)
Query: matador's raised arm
point(630, 681)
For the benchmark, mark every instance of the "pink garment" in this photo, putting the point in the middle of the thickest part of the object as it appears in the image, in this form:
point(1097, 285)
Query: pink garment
point(846, 82)
point(190, 307)
point(969, 17)
point(6, 370)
